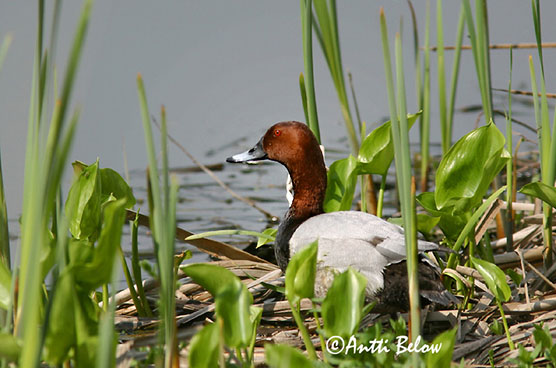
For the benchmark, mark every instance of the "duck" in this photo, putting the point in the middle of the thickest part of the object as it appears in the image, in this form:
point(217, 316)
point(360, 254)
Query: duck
point(372, 246)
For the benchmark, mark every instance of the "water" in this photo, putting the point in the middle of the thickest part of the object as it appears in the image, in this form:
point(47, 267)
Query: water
point(226, 71)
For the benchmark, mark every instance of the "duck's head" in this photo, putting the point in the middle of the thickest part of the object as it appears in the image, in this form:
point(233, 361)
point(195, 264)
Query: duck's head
point(291, 143)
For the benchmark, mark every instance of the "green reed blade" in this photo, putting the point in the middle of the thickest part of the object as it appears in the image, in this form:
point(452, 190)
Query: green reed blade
point(5, 257)
point(326, 27)
point(536, 9)
point(424, 122)
point(408, 200)
point(136, 268)
point(416, 57)
point(303, 92)
point(484, 41)
point(42, 177)
point(479, 55)
point(105, 356)
point(546, 146)
point(441, 78)
point(4, 232)
point(455, 72)
point(509, 165)
point(309, 81)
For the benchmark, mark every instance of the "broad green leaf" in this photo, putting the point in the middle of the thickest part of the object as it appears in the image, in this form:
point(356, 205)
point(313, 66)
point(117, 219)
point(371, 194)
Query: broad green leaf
point(9, 347)
point(113, 184)
point(204, 347)
point(377, 149)
point(233, 303)
point(269, 232)
point(98, 270)
point(212, 278)
point(343, 304)
point(468, 168)
point(541, 191)
point(494, 278)
point(284, 356)
point(451, 225)
point(5, 286)
point(83, 204)
point(300, 274)
point(61, 330)
point(342, 179)
point(443, 357)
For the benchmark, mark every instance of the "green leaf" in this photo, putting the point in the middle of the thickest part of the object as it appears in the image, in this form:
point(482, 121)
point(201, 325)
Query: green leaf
point(543, 337)
point(232, 305)
point(61, 331)
point(450, 224)
point(98, 269)
point(204, 347)
point(212, 278)
point(443, 357)
point(9, 347)
point(255, 315)
point(271, 233)
point(468, 168)
point(284, 356)
point(494, 278)
point(343, 304)
point(113, 184)
point(516, 277)
point(342, 179)
point(5, 286)
point(377, 149)
point(541, 191)
point(300, 274)
point(83, 204)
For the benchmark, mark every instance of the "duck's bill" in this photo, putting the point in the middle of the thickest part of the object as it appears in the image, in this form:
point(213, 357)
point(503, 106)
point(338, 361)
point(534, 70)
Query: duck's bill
point(254, 154)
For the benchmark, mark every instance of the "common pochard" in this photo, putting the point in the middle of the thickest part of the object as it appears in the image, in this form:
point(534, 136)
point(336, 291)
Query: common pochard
point(367, 243)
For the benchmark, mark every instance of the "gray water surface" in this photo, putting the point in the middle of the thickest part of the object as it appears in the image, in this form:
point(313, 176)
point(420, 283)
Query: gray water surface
point(226, 70)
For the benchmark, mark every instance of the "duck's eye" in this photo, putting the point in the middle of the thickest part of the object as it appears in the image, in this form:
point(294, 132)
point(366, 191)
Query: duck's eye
point(277, 132)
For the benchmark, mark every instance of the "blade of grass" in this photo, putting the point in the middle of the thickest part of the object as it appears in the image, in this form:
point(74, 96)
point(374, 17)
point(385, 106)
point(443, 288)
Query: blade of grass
point(424, 122)
point(509, 165)
point(326, 28)
point(479, 54)
point(105, 349)
point(5, 257)
point(400, 135)
point(455, 71)
point(309, 82)
point(441, 78)
point(469, 227)
point(136, 268)
point(42, 178)
point(163, 224)
point(303, 96)
point(546, 147)
point(408, 200)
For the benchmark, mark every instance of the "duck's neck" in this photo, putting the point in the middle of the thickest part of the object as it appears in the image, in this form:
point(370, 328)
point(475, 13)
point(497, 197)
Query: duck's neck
point(309, 189)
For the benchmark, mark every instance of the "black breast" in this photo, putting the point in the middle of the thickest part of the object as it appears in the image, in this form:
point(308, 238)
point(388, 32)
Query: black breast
point(283, 236)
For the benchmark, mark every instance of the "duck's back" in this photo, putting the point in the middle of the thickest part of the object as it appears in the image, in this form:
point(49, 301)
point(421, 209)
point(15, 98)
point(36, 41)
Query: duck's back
point(353, 239)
